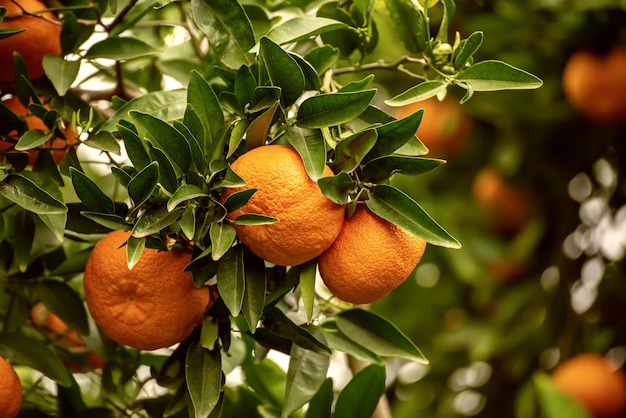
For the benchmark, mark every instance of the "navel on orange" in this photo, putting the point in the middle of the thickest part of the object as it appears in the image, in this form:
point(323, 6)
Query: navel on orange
point(154, 305)
point(370, 257)
point(308, 221)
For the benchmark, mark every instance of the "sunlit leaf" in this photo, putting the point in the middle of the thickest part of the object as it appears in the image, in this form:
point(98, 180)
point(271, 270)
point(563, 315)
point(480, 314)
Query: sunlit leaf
point(231, 280)
point(337, 340)
point(351, 151)
point(24, 228)
point(555, 403)
point(331, 109)
point(222, 238)
point(257, 131)
point(276, 321)
point(154, 220)
point(118, 48)
point(467, 49)
point(183, 193)
point(337, 188)
point(302, 27)
point(307, 286)
point(24, 192)
point(492, 75)
point(417, 93)
point(203, 374)
point(283, 71)
point(360, 396)
point(61, 72)
point(312, 149)
point(90, 194)
point(383, 168)
point(254, 294)
point(410, 24)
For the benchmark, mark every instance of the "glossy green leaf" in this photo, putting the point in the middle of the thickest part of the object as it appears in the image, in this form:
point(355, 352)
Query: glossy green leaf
point(351, 151)
point(196, 128)
point(60, 72)
point(378, 335)
point(337, 340)
point(382, 168)
point(492, 75)
point(397, 207)
point(168, 178)
point(245, 83)
point(357, 85)
point(143, 184)
point(55, 222)
point(467, 48)
point(267, 379)
point(305, 375)
point(231, 279)
point(24, 228)
point(134, 249)
point(109, 221)
point(346, 40)
point(188, 222)
point(410, 24)
point(90, 194)
point(228, 29)
point(135, 147)
point(448, 12)
point(203, 99)
point(183, 193)
point(360, 396)
point(154, 220)
point(222, 238)
point(256, 134)
point(395, 134)
point(308, 272)
point(302, 27)
point(231, 179)
point(264, 97)
point(255, 219)
point(322, 58)
point(238, 199)
point(64, 302)
point(337, 188)
point(103, 141)
point(254, 294)
point(119, 49)
point(312, 149)
point(321, 403)
point(164, 105)
point(31, 353)
point(331, 109)
point(203, 374)
point(283, 71)
point(166, 138)
point(72, 265)
point(237, 135)
point(422, 91)
point(24, 192)
point(196, 150)
point(32, 139)
point(276, 321)
point(555, 403)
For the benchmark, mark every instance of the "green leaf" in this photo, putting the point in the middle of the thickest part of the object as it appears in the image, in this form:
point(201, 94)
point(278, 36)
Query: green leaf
point(255, 219)
point(166, 138)
point(227, 28)
point(331, 109)
point(256, 134)
point(203, 374)
point(164, 105)
point(337, 188)
point(183, 193)
point(267, 379)
point(60, 72)
point(64, 302)
point(135, 148)
point(382, 168)
point(422, 91)
point(554, 403)
point(134, 248)
point(283, 71)
point(495, 75)
point(277, 322)
point(203, 100)
point(142, 185)
point(321, 404)
point(360, 396)
point(154, 220)
point(346, 40)
point(410, 24)
point(56, 223)
point(168, 178)
point(196, 150)
point(301, 28)
point(397, 207)
point(377, 334)
point(311, 146)
point(357, 85)
point(245, 83)
point(90, 194)
point(307, 287)
point(24, 192)
point(120, 49)
point(103, 141)
point(305, 375)
point(31, 353)
point(24, 229)
point(395, 134)
point(32, 139)
point(238, 199)
point(337, 340)
point(222, 238)
point(448, 12)
point(237, 135)
point(231, 279)
point(466, 49)
point(107, 220)
point(351, 151)
point(255, 287)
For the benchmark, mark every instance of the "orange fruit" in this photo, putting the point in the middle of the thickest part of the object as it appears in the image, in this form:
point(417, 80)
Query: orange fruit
point(308, 221)
point(39, 38)
point(10, 391)
point(445, 127)
point(509, 205)
point(593, 381)
point(154, 305)
point(370, 257)
point(596, 85)
point(58, 146)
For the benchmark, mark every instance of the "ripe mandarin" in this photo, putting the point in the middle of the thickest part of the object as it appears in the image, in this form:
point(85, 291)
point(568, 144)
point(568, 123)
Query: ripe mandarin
point(370, 257)
point(10, 391)
point(594, 382)
point(308, 221)
point(40, 37)
point(154, 305)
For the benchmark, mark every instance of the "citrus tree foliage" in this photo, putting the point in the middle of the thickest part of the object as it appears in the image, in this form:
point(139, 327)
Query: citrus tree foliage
point(247, 74)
